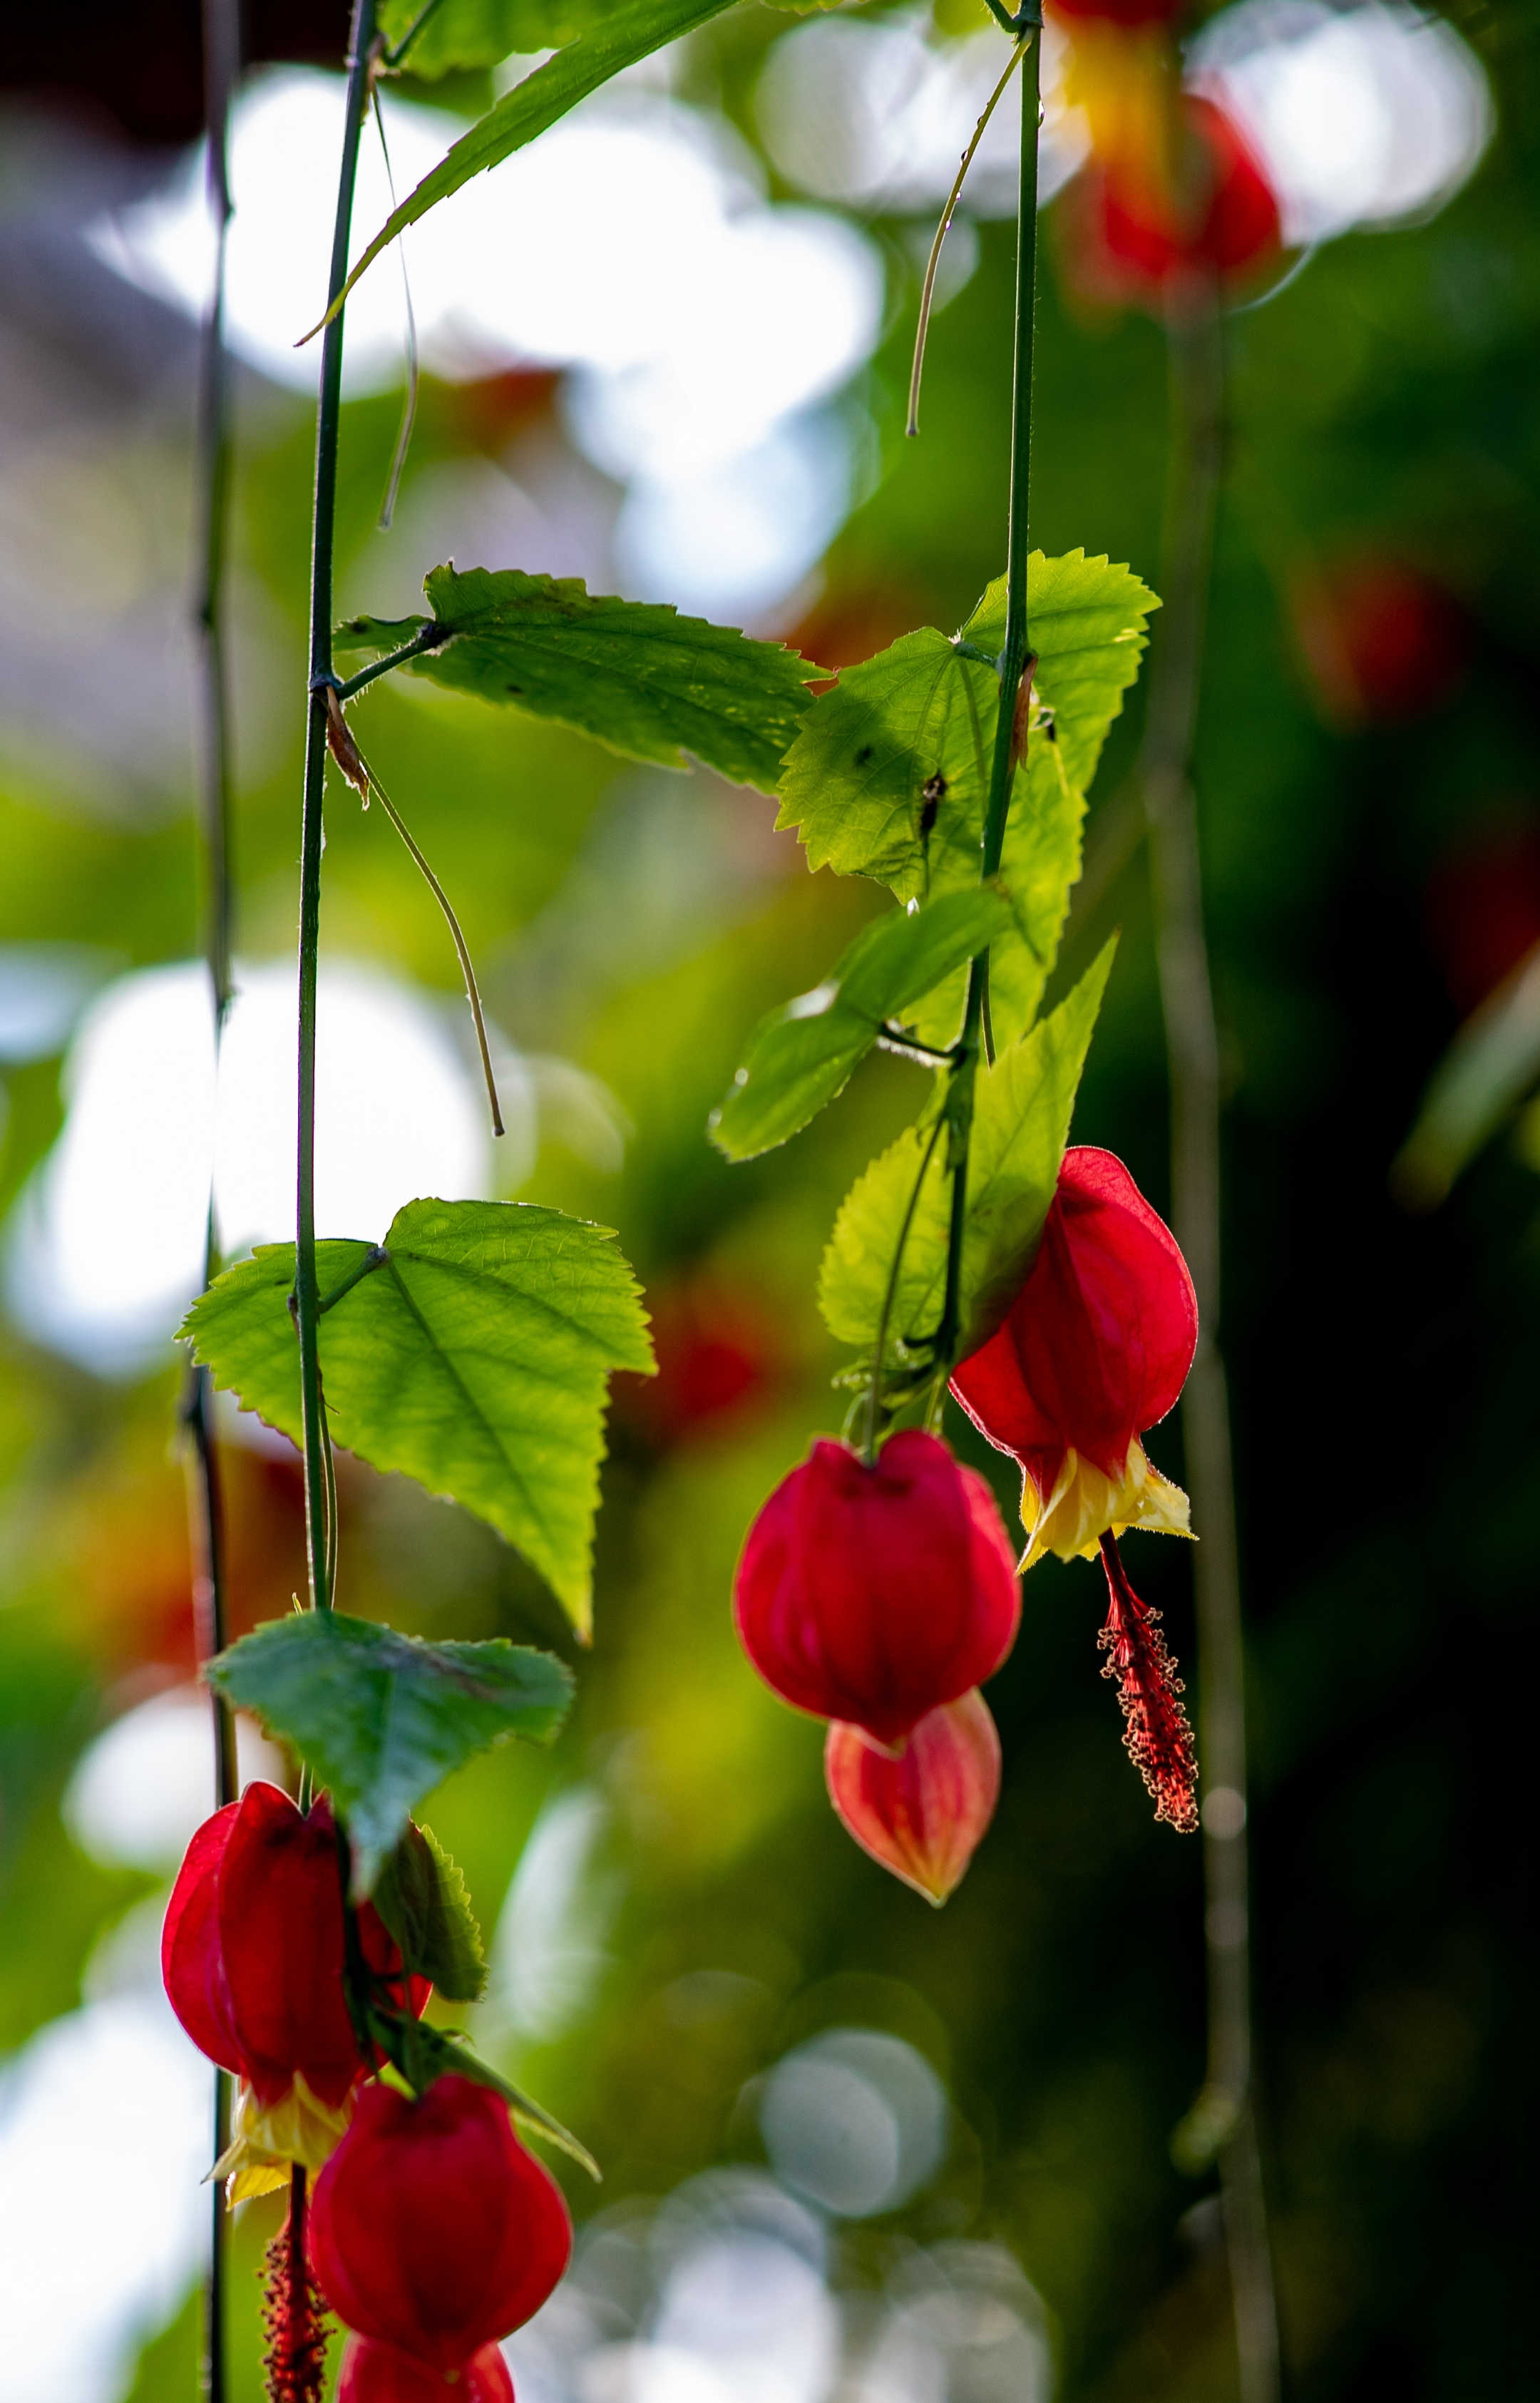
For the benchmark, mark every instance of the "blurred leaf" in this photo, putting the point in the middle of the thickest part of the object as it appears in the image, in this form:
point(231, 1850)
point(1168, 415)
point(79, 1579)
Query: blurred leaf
point(471, 1352)
point(802, 1055)
point(1491, 1065)
point(1086, 622)
point(423, 2052)
point(422, 1897)
point(460, 33)
point(627, 33)
point(1021, 1121)
point(634, 674)
point(382, 1718)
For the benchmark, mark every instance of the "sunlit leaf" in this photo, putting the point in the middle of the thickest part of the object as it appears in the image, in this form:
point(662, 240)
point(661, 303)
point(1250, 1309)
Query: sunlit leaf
point(801, 1056)
point(422, 1897)
point(1021, 1121)
point(470, 1350)
point(626, 33)
point(461, 33)
point(1086, 622)
point(634, 674)
point(382, 1718)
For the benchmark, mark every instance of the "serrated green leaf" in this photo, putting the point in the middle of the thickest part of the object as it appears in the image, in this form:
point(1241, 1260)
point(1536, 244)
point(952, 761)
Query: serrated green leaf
point(461, 33)
point(802, 1055)
point(423, 2052)
point(626, 33)
point(471, 1352)
point(422, 1897)
point(1021, 1117)
point(382, 1718)
point(632, 673)
point(1085, 621)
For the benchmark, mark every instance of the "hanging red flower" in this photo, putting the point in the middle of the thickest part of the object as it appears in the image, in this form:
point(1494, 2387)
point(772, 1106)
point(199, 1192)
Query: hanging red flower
point(873, 1595)
point(252, 1954)
point(432, 2229)
point(377, 2373)
point(1094, 1349)
point(1155, 1725)
point(923, 1814)
point(1151, 224)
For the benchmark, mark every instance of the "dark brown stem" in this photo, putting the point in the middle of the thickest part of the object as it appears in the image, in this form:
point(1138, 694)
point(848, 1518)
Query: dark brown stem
point(1222, 2123)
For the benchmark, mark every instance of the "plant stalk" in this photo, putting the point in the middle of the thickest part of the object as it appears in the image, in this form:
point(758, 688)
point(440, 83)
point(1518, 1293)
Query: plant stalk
point(1222, 2122)
point(1011, 665)
point(221, 37)
point(327, 427)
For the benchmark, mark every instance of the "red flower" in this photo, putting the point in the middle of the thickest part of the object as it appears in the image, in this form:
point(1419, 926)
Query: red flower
point(1094, 1349)
point(923, 1814)
point(432, 2231)
point(377, 2373)
point(1155, 1725)
point(875, 1594)
point(1141, 233)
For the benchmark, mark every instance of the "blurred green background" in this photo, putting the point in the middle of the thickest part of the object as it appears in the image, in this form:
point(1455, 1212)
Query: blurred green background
point(1372, 850)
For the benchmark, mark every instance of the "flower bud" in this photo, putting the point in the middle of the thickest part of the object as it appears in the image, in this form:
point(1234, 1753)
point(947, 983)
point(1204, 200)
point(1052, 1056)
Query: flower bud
point(252, 1952)
point(873, 1595)
point(923, 1814)
point(1094, 1349)
point(432, 2231)
point(377, 2373)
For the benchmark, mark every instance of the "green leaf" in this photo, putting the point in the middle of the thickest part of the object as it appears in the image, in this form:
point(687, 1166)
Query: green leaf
point(1021, 1117)
point(632, 673)
point(625, 34)
point(423, 2052)
point(422, 1897)
point(461, 33)
point(382, 1718)
point(1085, 621)
point(802, 1055)
point(891, 769)
point(470, 1350)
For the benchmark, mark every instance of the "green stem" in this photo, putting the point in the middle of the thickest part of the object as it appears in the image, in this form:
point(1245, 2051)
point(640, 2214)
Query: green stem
point(1012, 666)
point(874, 1399)
point(328, 425)
point(428, 640)
point(1222, 2121)
point(927, 291)
point(393, 59)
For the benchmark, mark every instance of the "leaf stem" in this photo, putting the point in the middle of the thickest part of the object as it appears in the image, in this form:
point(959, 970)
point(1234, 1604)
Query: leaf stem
point(428, 639)
point(393, 59)
point(1222, 2121)
point(327, 429)
point(874, 1398)
point(958, 1108)
point(928, 288)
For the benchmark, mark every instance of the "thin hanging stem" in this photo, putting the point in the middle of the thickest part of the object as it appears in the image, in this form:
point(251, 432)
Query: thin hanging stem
point(356, 768)
point(221, 36)
point(327, 427)
point(409, 414)
point(928, 288)
point(428, 639)
point(1012, 667)
point(1223, 2120)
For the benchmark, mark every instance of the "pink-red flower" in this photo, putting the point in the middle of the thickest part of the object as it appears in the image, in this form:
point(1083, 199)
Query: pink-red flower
point(1162, 215)
point(377, 2373)
point(252, 1954)
point(432, 2231)
point(1094, 1349)
point(923, 1814)
point(875, 1594)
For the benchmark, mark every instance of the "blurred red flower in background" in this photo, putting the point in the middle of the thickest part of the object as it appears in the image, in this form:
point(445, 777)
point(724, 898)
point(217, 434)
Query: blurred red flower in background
point(1154, 227)
point(719, 1356)
point(1385, 643)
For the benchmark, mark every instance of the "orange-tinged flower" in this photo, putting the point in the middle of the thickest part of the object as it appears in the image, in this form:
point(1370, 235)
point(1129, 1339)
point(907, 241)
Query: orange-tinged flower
point(923, 1814)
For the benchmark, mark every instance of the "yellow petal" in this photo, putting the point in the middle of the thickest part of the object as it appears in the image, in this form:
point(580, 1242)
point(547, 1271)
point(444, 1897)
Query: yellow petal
point(270, 2138)
point(1086, 1503)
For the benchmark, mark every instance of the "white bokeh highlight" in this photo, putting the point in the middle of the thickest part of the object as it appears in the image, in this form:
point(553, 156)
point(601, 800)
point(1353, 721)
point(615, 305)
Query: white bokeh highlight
point(106, 1244)
point(856, 2120)
point(141, 1791)
point(1369, 116)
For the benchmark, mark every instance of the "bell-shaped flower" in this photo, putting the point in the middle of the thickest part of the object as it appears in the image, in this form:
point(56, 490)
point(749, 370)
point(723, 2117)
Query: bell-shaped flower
point(875, 1594)
point(1159, 220)
point(432, 2231)
point(1094, 1349)
point(923, 1814)
point(252, 1953)
point(377, 2373)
